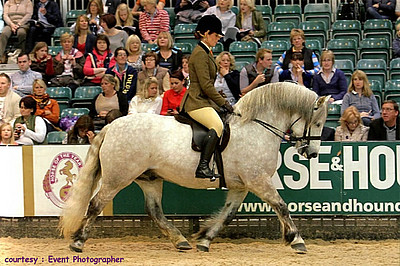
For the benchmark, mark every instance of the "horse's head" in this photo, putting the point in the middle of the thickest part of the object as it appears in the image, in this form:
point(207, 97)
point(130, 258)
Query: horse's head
point(307, 134)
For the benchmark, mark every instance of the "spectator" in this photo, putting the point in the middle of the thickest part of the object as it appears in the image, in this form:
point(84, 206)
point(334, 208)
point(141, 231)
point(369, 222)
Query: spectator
point(396, 42)
point(223, 11)
point(42, 61)
point(112, 115)
point(16, 17)
point(29, 128)
point(98, 61)
point(227, 81)
point(68, 64)
point(296, 72)
point(381, 9)
point(386, 127)
point(168, 56)
point(111, 6)
point(83, 39)
point(117, 37)
point(152, 21)
point(136, 10)
point(151, 69)
point(48, 15)
point(186, 12)
point(397, 9)
point(185, 69)
point(22, 80)
point(147, 99)
point(250, 23)
point(126, 74)
point(351, 127)
point(173, 97)
point(297, 39)
point(46, 108)
point(360, 95)
point(94, 11)
point(110, 98)
point(82, 132)
point(330, 80)
point(1, 17)
point(7, 135)
point(258, 73)
point(9, 100)
point(126, 21)
point(135, 53)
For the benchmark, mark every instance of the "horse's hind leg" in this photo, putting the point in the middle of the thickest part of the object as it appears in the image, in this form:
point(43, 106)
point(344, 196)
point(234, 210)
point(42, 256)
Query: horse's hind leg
point(213, 226)
point(268, 193)
point(152, 190)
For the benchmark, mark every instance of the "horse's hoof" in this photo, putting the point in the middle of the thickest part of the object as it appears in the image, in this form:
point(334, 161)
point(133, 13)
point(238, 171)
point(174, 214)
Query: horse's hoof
point(184, 245)
point(76, 246)
point(300, 248)
point(202, 248)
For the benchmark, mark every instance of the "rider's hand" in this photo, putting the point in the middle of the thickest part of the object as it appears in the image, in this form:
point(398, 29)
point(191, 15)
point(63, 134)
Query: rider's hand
point(228, 107)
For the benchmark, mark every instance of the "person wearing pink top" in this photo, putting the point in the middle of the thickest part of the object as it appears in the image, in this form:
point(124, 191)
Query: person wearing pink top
point(152, 21)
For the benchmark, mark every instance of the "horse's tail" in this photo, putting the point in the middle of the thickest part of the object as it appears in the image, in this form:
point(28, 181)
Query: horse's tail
point(82, 190)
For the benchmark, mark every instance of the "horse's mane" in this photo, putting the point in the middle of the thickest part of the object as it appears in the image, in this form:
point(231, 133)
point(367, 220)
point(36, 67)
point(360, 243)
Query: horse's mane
point(281, 96)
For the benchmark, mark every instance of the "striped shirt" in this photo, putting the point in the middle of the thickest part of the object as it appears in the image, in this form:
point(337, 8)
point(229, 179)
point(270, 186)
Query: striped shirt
point(151, 25)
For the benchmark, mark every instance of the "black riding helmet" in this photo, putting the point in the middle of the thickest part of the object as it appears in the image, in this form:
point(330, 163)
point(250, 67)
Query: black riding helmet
point(209, 23)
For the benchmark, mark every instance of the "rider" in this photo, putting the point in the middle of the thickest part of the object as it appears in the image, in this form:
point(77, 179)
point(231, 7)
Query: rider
point(202, 101)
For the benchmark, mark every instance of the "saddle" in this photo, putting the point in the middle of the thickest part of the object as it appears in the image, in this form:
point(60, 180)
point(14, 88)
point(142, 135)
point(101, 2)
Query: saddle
point(199, 133)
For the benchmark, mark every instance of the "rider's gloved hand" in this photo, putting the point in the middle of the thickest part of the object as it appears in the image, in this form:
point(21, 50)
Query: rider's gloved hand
point(228, 107)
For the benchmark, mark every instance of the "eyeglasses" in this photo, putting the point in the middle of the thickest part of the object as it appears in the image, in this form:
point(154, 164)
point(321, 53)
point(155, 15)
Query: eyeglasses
point(150, 59)
point(387, 109)
point(352, 123)
point(121, 55)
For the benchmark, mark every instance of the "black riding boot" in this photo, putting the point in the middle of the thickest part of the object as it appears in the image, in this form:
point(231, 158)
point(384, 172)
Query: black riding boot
point(203, 170)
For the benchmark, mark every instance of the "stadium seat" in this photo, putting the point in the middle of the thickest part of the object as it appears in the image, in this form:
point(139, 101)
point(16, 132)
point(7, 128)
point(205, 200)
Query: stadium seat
point(347, 29)
point(319, 12)
point(346, 66)
point(332, 124)
point(314, 30)
point(344, 49)
point(333, 112)
point(55, 38)
point(184, 33)
point(379, 28)
point(374, 48)
point(148, 47)
point(186, 48)
point(54, 50)
point(84, 95)
point(241, 64)
point(288, 13)
point(56, 137)
point(72, 15)
point(235, 9)
point(377, 89)
point(172, 17)
point(74, 112)
point(62, 95)
point(266, 12)
point(279, 30)
point(315, 46)
point(392, 90)
point(218, 48)
point(277, 47)
point(246, 51)
point(374, 68)
point(394, 69)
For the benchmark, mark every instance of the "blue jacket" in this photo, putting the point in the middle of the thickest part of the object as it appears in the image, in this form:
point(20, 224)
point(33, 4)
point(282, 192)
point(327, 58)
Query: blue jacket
point(337, 88)
point(53, 14)
point(128, 83)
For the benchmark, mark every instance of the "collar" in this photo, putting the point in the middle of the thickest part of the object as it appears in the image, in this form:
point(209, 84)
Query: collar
point(24, 72)
point(332, 71)
point(206, 47)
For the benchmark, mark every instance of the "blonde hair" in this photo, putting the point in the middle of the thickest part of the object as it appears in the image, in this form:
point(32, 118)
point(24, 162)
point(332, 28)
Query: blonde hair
point(146, 2)
point(129, 19)
point(133, 38)
point(230, 4)
point(328, 54)
point(78, 25)
point(66, 36)
point(144, 90)
point(169, 37)
point(350, 112)
point(12, 140)
point(40, 82)
point(366, 90)
point(113, 80)
point(297, 32)
point(249, 3)
point(231, 60)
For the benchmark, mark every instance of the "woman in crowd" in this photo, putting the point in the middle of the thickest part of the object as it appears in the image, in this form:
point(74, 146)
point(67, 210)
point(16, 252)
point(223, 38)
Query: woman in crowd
point(168, 56)
point(147, 99)
point(42, 61)
point(152, 21)
point(198, 98)
point(124, 18)
point(250, 22)
point(152, 69)
point(46, 108)
point(351, 127)
point(297, 39)
point(173, 97)
point(360, 95)
point(83, 39)
point(135, 53)
point(29, 129)
point(185, 68)
point(110, 98)
point(68, 64)
point(82, 132)
point(228, 78)
point(222, 10)
point(94, 11)
point(296, 72)
point(16, 15)
point(117, 37)
point(7, 135)
point(98, 61)
point(330, 80)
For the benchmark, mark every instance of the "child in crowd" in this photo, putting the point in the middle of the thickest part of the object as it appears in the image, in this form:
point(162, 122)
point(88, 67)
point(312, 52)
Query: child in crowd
point(7, 135)
point(82, 132)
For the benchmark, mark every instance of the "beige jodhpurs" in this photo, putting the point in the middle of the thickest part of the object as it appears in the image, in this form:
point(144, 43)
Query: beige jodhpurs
point(209, 118)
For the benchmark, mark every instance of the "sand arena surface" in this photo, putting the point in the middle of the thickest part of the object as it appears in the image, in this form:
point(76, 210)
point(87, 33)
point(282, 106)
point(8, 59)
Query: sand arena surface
point(159, 251)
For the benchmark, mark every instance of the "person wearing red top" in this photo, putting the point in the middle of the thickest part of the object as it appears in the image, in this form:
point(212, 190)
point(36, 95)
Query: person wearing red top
point(152, 21)
point(173, 97)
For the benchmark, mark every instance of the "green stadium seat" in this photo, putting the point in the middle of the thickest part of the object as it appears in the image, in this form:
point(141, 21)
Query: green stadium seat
point(54, 50)
point(186, 48)
point(277, 47)
point(279, 30)
point(314, 45)
point(392, 89)
point(72, 15)
point(394, 69)
point(84, 95)
point(344, 49)
point(148, 47)
point(241, 64)
point(55, 38)
point(374, 48)
point(319, 12)
point(376, 87)
point(56, 137)
point(379, 28)
point(172, 17)
point(235, 9)
point(347, 29)
point(218, 48)
point(314, 30)
point(333, 112)
point(288, 13)
point(374, 68)
point(266, 12)
point(74, 112)
point(332, 124)
point(184, 33)
point(246, 51)
point(346, 66)
point(62, 95)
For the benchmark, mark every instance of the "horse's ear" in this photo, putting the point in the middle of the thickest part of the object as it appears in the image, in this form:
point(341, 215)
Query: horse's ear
point(321, 101)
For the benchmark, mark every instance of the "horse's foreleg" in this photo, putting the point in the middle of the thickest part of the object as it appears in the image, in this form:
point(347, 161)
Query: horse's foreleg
point(213, 226)
point(152, 190)
point(290, 233)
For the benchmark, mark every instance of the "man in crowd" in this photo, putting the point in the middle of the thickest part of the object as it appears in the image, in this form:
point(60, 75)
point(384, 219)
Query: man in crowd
point(386, 127)
point(9, 100)
point(22, 80)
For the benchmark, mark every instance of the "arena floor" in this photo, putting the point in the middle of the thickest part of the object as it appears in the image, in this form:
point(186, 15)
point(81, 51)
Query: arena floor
point(159, 251)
